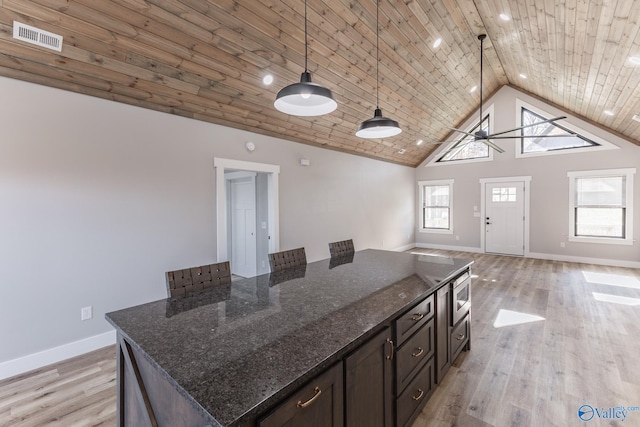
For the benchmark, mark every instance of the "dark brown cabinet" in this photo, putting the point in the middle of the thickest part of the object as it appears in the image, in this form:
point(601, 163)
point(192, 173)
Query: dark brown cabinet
point(317, 404)
point(369, 383)
point(461, 307)
point(443, 328)
point(415, 378)
point(411, 401)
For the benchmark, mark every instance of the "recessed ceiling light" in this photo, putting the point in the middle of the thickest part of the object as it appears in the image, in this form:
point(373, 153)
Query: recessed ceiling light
point(267, 80)
point(634, 60)
point(437, 42)
point(608, 113)
point(419, 142)
point(473, 89)
point(505, 17)
point(522, 75)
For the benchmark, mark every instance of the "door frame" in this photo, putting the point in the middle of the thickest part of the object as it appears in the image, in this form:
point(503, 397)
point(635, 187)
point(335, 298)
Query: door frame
point(526, 180)
point(221, 165)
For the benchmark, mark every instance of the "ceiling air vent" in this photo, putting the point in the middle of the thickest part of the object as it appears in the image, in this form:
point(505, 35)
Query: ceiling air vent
point(37, 36)
point(636, 118)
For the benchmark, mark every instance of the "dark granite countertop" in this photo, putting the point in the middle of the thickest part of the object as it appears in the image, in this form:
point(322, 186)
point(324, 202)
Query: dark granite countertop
point(236, 350)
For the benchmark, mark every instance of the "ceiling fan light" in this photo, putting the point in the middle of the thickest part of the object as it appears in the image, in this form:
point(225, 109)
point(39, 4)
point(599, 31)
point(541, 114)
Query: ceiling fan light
point(305, 98)
point(378, 127)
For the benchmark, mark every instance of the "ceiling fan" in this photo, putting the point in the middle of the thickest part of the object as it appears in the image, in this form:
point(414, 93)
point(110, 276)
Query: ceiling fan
point(482, 135)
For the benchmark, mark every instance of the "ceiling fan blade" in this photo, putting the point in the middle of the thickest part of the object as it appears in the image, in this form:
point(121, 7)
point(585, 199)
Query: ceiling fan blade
point(527, 126)
point(532, 136)
point(461, 131)
point(492, 145)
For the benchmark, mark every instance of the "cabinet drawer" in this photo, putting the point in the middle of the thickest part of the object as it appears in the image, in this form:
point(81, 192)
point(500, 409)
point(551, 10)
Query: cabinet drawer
point(317, 404)
point(413, 399)
point(413, 319)
point(459, 337)
point(413, 354)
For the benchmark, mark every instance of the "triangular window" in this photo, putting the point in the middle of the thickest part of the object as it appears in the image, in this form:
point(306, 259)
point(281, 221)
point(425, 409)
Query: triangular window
point(466, 148)
point(548, 136)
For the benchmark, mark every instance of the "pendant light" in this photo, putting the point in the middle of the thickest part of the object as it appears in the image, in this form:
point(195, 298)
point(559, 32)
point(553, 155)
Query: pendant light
point(305, 98)
point(378, 126)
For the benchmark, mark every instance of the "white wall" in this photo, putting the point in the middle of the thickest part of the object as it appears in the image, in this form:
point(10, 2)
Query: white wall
point(99, 199)
point(549, 216)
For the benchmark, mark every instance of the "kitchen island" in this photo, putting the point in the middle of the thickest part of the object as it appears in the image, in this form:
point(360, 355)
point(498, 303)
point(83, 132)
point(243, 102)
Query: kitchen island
point(235, 355)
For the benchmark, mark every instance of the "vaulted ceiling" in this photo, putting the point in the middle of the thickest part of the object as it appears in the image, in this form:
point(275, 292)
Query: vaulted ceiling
point(205, 59)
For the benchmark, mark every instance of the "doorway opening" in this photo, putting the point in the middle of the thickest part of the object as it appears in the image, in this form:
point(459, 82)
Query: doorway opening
point(247, 218)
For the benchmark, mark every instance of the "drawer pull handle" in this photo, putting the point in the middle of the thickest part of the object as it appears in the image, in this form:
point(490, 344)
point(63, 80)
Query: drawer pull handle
point(418, 397)
point(417, 317)
point(316, 393)
point(390, 356)
point(460, 337)
point(419, 353)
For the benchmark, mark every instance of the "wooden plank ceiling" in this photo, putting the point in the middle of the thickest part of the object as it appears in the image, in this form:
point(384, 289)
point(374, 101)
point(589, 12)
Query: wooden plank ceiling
point(205, 59)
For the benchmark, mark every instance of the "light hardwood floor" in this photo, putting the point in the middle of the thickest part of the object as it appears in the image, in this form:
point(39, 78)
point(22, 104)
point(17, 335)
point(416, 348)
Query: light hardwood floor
point(579, 350)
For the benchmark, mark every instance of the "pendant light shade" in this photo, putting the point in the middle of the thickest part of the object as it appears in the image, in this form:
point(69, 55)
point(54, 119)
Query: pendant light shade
point(305, 98)
point(378, 126)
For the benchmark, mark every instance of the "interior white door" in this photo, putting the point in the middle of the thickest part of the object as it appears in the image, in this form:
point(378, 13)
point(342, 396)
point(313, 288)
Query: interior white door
point(504, 218)
point(243, 227)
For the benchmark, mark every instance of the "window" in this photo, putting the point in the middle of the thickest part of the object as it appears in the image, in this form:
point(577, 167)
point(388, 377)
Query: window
point(436, 201)
point(461, 148)
point(552, 138)
point(549, 135)
point(466, 148)
point(601, 206)
point(504, 194)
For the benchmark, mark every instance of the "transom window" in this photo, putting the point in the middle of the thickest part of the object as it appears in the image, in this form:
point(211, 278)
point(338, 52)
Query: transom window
point(602, 206)
point(504, 194)
point(436, 199)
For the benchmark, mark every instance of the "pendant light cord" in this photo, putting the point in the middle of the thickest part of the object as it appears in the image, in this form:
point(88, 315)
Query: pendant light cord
point(377, 54)
point(305, 37)
point(481, 40)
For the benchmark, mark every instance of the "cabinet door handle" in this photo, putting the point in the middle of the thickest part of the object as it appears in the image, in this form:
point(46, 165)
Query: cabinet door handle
point(417, 317)
point(460, 337)
point(418, 397)
point(316, 393)
point(419, 353)
point(390, 356)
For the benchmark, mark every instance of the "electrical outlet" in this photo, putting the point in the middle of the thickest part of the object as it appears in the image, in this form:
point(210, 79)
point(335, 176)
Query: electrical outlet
point(86, 313)
point(562, 244)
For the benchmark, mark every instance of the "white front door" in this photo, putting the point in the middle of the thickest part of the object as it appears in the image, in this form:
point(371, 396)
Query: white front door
point(504, 217)
point(243, 227)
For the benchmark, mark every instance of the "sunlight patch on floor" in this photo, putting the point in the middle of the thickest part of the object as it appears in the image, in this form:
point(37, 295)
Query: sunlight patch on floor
point(616, 299)
point(612, 279)
point(511, 318)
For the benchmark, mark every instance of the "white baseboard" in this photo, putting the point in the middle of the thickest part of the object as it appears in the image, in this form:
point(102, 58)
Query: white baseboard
point(448, 248)
point(585, 260)
point(536, 255)
point(405, 247)
point(33, 361)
